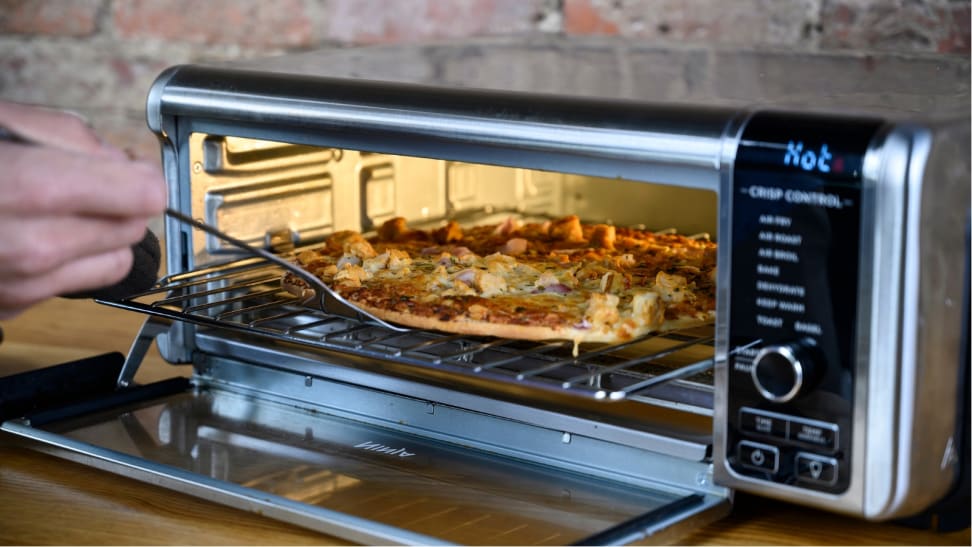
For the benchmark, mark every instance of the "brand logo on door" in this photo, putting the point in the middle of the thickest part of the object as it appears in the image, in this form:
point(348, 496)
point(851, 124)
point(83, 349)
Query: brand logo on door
point(391, 451)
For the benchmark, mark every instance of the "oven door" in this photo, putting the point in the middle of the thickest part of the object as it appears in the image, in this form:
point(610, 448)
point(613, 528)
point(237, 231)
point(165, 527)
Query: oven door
point(368, 465)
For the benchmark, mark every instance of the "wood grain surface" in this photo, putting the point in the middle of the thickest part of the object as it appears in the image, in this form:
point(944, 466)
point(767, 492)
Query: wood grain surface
point(46, 501)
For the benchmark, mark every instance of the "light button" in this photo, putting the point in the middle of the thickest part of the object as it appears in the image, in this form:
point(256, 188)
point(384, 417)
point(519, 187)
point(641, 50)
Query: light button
point(816, 468)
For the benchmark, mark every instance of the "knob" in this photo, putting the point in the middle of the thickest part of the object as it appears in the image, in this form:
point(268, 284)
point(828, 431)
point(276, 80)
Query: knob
point(784, 371)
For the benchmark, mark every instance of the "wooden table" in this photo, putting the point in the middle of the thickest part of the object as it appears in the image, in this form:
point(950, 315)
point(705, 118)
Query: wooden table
point(45, 500)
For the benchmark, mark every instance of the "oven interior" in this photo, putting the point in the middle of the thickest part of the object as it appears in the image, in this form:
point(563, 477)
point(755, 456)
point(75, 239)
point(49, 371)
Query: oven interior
point(286, 197)
point(414, 437)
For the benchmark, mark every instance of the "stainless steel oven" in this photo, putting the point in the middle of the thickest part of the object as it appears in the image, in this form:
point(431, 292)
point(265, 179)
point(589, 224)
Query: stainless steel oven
point(835, 375)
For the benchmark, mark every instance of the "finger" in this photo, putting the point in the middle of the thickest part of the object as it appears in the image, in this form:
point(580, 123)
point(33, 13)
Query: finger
point(37, 245)
point(87, 273)
point(58, 128)
point(44, 180)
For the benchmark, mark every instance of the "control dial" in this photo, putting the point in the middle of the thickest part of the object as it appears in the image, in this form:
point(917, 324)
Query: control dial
point(784, 371)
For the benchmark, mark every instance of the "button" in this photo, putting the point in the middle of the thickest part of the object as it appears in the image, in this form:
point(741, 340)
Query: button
point(816, 468)
point(818, 434)
point(764, 423)
point(758, 456)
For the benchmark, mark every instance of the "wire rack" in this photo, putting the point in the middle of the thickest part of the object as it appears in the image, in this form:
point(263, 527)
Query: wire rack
point(246, 296)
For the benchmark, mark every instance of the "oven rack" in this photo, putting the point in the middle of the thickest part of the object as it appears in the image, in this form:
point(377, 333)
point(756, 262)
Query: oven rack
point(245, 295)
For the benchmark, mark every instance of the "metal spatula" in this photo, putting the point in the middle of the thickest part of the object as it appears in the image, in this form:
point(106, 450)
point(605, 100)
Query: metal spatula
point(330, 301)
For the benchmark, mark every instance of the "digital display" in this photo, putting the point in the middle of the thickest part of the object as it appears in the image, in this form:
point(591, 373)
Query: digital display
point(809, 160)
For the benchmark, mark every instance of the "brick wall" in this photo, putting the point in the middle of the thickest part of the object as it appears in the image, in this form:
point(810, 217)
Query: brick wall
point(98, 57)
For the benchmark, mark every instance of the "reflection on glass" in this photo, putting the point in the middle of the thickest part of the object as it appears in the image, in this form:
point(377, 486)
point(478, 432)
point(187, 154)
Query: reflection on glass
point(397, 479)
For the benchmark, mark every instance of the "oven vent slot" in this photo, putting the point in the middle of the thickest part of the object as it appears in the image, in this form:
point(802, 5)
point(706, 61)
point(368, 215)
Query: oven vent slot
point(378, 193)
point(283, 205)
point(669, 369)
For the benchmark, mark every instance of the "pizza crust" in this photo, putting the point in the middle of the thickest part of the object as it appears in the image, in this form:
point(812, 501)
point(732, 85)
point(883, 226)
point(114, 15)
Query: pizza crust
point(464, 325)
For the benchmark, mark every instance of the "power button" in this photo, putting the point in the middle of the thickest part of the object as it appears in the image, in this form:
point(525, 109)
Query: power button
point(758, 456)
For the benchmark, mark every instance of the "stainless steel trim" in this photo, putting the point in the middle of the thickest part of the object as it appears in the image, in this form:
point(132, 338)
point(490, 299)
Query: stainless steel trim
point(879, 357)
point(937, 179)
point(722, 473)
point(674, 145)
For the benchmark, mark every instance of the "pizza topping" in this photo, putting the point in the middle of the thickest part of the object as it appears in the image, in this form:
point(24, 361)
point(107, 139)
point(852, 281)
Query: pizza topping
point(351, 275)
point(449, 233)
point(549, 283)
point(550, 280)
point(612, 282)
point(500, 263)
point(348, 258)
point(672, 288)
point(567, 229)
point(477, 312)
point(514, 247)
point(395, 229)
point(484, 283)
point(645, 308)
point(603, 236)
point(507, 227)
point(392, 259)
point(602, 310)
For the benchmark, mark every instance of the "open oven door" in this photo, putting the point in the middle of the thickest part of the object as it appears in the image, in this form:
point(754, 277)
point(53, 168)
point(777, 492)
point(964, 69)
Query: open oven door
point(348, 469)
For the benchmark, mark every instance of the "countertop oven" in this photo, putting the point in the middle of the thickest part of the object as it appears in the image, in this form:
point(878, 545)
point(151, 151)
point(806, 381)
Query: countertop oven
point(835, 374)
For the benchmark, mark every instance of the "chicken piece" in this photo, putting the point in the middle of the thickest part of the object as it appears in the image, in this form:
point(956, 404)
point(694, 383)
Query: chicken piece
point(567, 229)
point(646, 309)
point(307, 257)
point(671, 287)
point(484, 283)
point(602, 310)
point(450, 233)
point(395, 229)
point(613, 282)
point(477, 312)
point(498, 263)
point(360, 248)
point(603, 236)
point(392, 259)
point(351, 275)
point(346, 241)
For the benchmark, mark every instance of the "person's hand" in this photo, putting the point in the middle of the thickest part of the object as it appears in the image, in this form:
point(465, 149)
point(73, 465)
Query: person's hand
point(71, 207)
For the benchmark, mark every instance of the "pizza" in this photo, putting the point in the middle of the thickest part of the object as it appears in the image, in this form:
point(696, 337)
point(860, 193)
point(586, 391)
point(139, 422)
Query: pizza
point(554, 280)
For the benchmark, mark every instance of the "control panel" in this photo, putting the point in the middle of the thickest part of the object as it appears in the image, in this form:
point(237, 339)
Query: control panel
point(795, 238)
